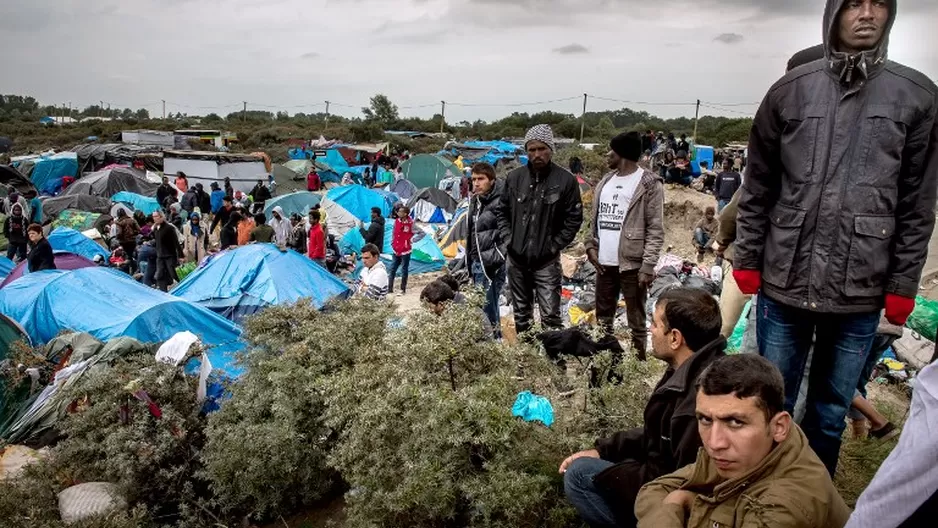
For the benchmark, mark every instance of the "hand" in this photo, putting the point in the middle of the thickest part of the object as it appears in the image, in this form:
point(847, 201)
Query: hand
point(683, 498)
point(898, 308)
point(645, 279)
point(748, 281)
point(593, 256)
point(589, 453)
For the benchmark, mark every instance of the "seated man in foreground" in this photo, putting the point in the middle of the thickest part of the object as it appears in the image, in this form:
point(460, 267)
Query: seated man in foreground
point(374, 276)
point(602, 483)
point(756, 468)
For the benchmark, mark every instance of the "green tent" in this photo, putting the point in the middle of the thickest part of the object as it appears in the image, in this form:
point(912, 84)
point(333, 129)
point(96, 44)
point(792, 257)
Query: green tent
point(427, 170)
point(11, 397)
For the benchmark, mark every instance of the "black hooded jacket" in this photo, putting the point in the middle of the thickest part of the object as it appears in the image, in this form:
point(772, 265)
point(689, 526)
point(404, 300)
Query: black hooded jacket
point(483, 239)
point(837, 205)
point(375, 233)
point(539, 214)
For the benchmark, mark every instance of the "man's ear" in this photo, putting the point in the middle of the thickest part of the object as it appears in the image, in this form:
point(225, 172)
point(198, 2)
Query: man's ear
point(675, 339)
point(780, 426)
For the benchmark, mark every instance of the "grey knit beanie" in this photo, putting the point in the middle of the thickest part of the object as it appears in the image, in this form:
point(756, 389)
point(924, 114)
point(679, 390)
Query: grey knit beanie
point(542, 133)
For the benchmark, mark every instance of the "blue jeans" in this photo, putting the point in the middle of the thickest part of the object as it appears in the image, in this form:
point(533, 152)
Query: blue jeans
point(403, 262)
point(701, 238)
point(721, 204)
point(17, 251)
point(493, 287)
point(841, 348)
point(582, 493)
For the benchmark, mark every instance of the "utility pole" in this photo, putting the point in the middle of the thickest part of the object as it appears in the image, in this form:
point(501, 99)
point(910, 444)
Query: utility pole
point(327, 112)
point(101, 109)
point(164, 108)
point(583, 118)
point(442, 116)
point(696, 119)
point(244, 111)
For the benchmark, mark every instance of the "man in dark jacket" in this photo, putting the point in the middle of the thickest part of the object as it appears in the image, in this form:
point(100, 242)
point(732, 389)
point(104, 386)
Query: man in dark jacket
point(167, 251)
point(41, 256)
point(602, 483)
point(222, 215)
point(165, 192)
point(375, 232)
point(14, 229)
point(190, 200)
point(837, 210)
point(539, 214)
point(728, 182)
point(127, 231)
point(260, 194)
point(485, 257)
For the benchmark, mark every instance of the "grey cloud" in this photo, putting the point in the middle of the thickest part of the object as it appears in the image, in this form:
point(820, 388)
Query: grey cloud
point(571, 49)
point(729, 38)
point(310, 55)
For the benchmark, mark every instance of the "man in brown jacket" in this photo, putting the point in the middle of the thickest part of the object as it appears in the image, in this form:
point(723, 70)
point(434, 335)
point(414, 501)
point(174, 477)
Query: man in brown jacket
point(755, 469)
point(628, 232)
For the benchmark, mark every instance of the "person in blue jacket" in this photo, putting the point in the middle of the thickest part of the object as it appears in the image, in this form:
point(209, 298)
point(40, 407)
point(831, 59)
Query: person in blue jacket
point(217, 198)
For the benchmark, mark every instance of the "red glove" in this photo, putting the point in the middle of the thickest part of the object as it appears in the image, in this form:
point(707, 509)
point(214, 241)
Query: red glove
point(898, 308)
point(748, 280)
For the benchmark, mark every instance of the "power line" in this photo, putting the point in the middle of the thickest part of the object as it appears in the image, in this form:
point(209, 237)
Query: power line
point(643, 103)
point(505, 105)
point(732, 104)
point(727, 110)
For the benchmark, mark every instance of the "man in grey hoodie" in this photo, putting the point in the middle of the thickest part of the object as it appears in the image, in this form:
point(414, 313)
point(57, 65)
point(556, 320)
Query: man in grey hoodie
point(837, 209)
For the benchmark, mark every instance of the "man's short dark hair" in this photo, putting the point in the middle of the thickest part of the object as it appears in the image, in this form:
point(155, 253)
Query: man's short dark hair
point(628, 145)
point(745, 376)
point(450, 281)
point(376, 210)
point(437, 292)
point(315, 215)
point(693, 312)
point(371, 249)
point(260, 219)
point(485, 169)
point(227, 199)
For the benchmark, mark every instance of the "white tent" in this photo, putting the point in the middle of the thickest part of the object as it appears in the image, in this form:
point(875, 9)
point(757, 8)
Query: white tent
point(213, 167)
point(338, 219)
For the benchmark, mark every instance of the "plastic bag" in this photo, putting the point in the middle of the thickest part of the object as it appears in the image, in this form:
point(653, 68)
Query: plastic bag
point(735, 342)
point(924, 318)
point(532, 408)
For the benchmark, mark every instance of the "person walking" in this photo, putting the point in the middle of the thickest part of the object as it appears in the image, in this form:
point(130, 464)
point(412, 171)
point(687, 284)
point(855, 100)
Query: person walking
point(837, 209)
point(485, 249)
point(194, 239)
point(627, 236)
point(15, 229)
point(402, 244)
point(216, 198)
point(167, 251)
point(259, 195)
point(539, 214)
point(728, 182)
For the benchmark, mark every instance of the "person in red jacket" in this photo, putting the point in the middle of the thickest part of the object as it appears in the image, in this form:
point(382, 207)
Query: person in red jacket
point(317, 240)
point(313, 182)
point(401, 243)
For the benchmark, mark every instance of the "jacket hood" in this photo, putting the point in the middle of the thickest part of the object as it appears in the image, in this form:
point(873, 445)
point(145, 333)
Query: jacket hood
point(494, 194)
point(279, 210)
point(864, 64)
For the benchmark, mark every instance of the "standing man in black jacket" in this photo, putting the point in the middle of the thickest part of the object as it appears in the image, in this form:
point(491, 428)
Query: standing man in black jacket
point(539, 214)
point(167, 251)
point(602, 483)
point(375, 232)
point(837, 210)
point(485, 250)
point(728, 182)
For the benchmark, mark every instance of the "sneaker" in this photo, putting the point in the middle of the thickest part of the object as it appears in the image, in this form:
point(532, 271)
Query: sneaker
point(886, 432)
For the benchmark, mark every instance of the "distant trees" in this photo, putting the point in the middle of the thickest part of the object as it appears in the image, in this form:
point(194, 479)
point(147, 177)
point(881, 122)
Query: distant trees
point(381, 109)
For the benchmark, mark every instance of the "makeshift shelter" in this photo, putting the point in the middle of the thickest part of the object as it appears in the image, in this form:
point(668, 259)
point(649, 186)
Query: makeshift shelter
point(300, 167)
point(213, 167)
point(109, 182)
point(427, 170)
point(145, 204)
point(359, 200)
point(63, 261)
point(432, 206)
point(48, 171)
point(77, 220)
point(241, 282)
point(70, 241)
point(287, 181)
point(51, 207)
point(338, 218)
point(426, 256)
point(10, 332)
point(95, 156)
point(12, 177)
point(453, 241)
point(403, 188)
point(298, 202)
point(108, 304)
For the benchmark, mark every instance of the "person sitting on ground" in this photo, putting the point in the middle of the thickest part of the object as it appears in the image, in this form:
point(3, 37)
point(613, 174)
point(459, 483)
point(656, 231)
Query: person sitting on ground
point(118, 260)
point(680, 173)
point(704, 231)
point(756, 468)
point(865, 420)
point(708, 178)
point(374, 276)
point(438, 295)
point(263, 232)
point(40, 255)
point(229, 232)
point(602, 483)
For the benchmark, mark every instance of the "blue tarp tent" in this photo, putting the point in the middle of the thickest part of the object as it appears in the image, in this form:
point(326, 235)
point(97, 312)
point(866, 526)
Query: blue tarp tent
point(240, 282)
point(48, 171)
point(426, 256)
point(359, 200)
point(6, 266)
point(109, 304)
point(701, 153)
point(71, 241)
point(298, 202)
point(145, 204)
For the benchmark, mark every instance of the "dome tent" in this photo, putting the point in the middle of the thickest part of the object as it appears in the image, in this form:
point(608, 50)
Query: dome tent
point(108, 304)
point(70, 241)
point(403, 188)
point(426, 256)
point(427, 170)
point(63, 261)
point(109, 182)
point(146, 204)
point(432, 206)
point(297, 202)
point(359, 200)
point(240, 282)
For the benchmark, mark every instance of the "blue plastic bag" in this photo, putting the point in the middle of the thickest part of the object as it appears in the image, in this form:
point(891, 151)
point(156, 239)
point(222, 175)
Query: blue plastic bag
point(532, 408)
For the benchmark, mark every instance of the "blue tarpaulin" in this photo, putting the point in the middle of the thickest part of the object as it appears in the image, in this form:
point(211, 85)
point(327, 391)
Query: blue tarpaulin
point(71, 241)
point(108, 304)
point(48, 171)
point(145, 204)
point(702, 153)
point(241, 282)
point(6, 266)
point(426, 256)
point(359, 200)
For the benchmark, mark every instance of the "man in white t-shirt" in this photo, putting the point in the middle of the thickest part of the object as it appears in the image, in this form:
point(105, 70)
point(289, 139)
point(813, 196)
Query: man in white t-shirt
point(374, 277)
point(628, 233)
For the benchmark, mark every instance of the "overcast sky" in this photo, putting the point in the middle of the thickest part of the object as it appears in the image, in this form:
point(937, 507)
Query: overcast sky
point(294, 54)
